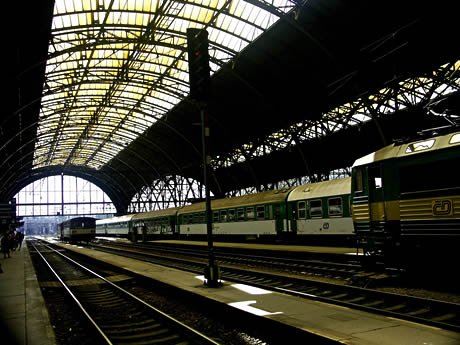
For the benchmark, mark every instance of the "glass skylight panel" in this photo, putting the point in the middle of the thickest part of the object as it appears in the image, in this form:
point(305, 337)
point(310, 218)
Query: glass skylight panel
point(99, 71)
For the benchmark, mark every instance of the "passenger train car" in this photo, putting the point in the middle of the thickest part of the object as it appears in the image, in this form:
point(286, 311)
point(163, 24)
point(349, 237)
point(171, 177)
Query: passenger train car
point(261, 215)
point(114, 227)
point(77, 229)
point(406, 200)
point(312, 212)
point(321, 211)
point(154, 224)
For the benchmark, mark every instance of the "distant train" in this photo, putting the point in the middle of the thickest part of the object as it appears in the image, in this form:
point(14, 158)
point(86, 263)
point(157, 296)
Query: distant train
point(319, 212)
point(406, 200)
point(77, 229)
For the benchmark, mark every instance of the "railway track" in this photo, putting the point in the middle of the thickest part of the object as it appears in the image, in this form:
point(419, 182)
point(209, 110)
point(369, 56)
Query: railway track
point(420, 310)
point(273, 260)
point(116, 315)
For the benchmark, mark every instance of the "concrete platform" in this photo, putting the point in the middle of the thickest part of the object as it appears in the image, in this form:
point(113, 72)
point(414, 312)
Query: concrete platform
point(23, 314)
point(333, 322)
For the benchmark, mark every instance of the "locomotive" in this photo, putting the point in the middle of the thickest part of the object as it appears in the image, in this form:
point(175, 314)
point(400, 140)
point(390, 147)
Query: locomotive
point(77, 229)
point(406, 201)
point(316, 213)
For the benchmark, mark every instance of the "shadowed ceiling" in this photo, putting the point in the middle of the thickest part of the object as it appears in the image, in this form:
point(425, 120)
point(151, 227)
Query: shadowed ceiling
point(101, 90)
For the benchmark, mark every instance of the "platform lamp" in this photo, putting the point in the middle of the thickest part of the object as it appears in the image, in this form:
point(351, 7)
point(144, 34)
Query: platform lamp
point(200, 80)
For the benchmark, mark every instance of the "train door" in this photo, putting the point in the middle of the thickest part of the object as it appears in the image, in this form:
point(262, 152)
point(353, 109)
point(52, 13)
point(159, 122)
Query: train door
point(377, 210)
point(144, 232)
point(172, 224)
point(376, 196)
point(134, 234)
point(292, 216)
point(279, 223)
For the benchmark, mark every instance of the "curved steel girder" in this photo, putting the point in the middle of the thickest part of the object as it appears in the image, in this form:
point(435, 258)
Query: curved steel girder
point(127, 130)
point(153, 144)
point(120, 144)
point(134, 81)
point(154, 193)
point(123, 180)
point(118, 189)
point(132, 152)
point(31, 126)
point(82, 172)
point(150, 40)
point(127, 41)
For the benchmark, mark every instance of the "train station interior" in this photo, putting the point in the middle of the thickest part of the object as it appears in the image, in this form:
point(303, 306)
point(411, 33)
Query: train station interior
point(105, 114)
point(298, 90)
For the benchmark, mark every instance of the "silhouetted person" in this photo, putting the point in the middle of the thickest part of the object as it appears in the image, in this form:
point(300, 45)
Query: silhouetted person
point(5, 244)
point(12, 239)
point(19, 238)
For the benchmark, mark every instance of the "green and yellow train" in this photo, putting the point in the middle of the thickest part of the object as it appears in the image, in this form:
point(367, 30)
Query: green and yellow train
point(406, 200)
point(316, 213)
point(401, 202)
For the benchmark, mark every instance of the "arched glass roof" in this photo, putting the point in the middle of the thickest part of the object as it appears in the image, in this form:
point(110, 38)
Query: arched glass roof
point(116, 66)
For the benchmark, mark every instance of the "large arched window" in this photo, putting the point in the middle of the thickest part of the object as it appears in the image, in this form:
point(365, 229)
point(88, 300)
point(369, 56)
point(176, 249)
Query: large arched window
point(62, 195)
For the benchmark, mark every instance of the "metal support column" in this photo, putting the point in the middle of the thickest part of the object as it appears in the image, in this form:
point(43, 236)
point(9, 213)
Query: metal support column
point(212, 271)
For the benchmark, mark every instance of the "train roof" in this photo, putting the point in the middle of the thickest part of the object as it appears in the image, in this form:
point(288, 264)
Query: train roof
point(266, 197)
point(157, 213)
point(415, 147)
point(84, 218)
point(117, 219)
point(321, 189)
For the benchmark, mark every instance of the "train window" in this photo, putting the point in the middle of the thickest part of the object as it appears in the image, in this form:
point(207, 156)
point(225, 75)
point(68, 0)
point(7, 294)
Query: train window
point(202, 217)
point(231, 215)
point(260, 212)
point(316, 209)
point(215, 217)
point(223, 215)
point(335, 207)
point(440, 176)
point(375, 176)
point(196, 218)
point(455, 139)
point(277, 211)
point(240, 214)
point(420, 146)
point(302, 209)
point(250, 213)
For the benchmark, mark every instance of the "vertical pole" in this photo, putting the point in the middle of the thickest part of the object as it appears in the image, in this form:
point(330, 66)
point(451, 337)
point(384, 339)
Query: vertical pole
point(62, 194)
point(212, 273)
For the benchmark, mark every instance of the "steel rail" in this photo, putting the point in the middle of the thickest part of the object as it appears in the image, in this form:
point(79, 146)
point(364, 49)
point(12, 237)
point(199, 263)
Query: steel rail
point(203, 338)
point(373, 301)
point(65, 286)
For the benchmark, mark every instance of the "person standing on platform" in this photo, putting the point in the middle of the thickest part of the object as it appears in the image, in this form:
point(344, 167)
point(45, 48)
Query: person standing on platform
point(19, 238)
point(12, 240)
point(5, 244)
